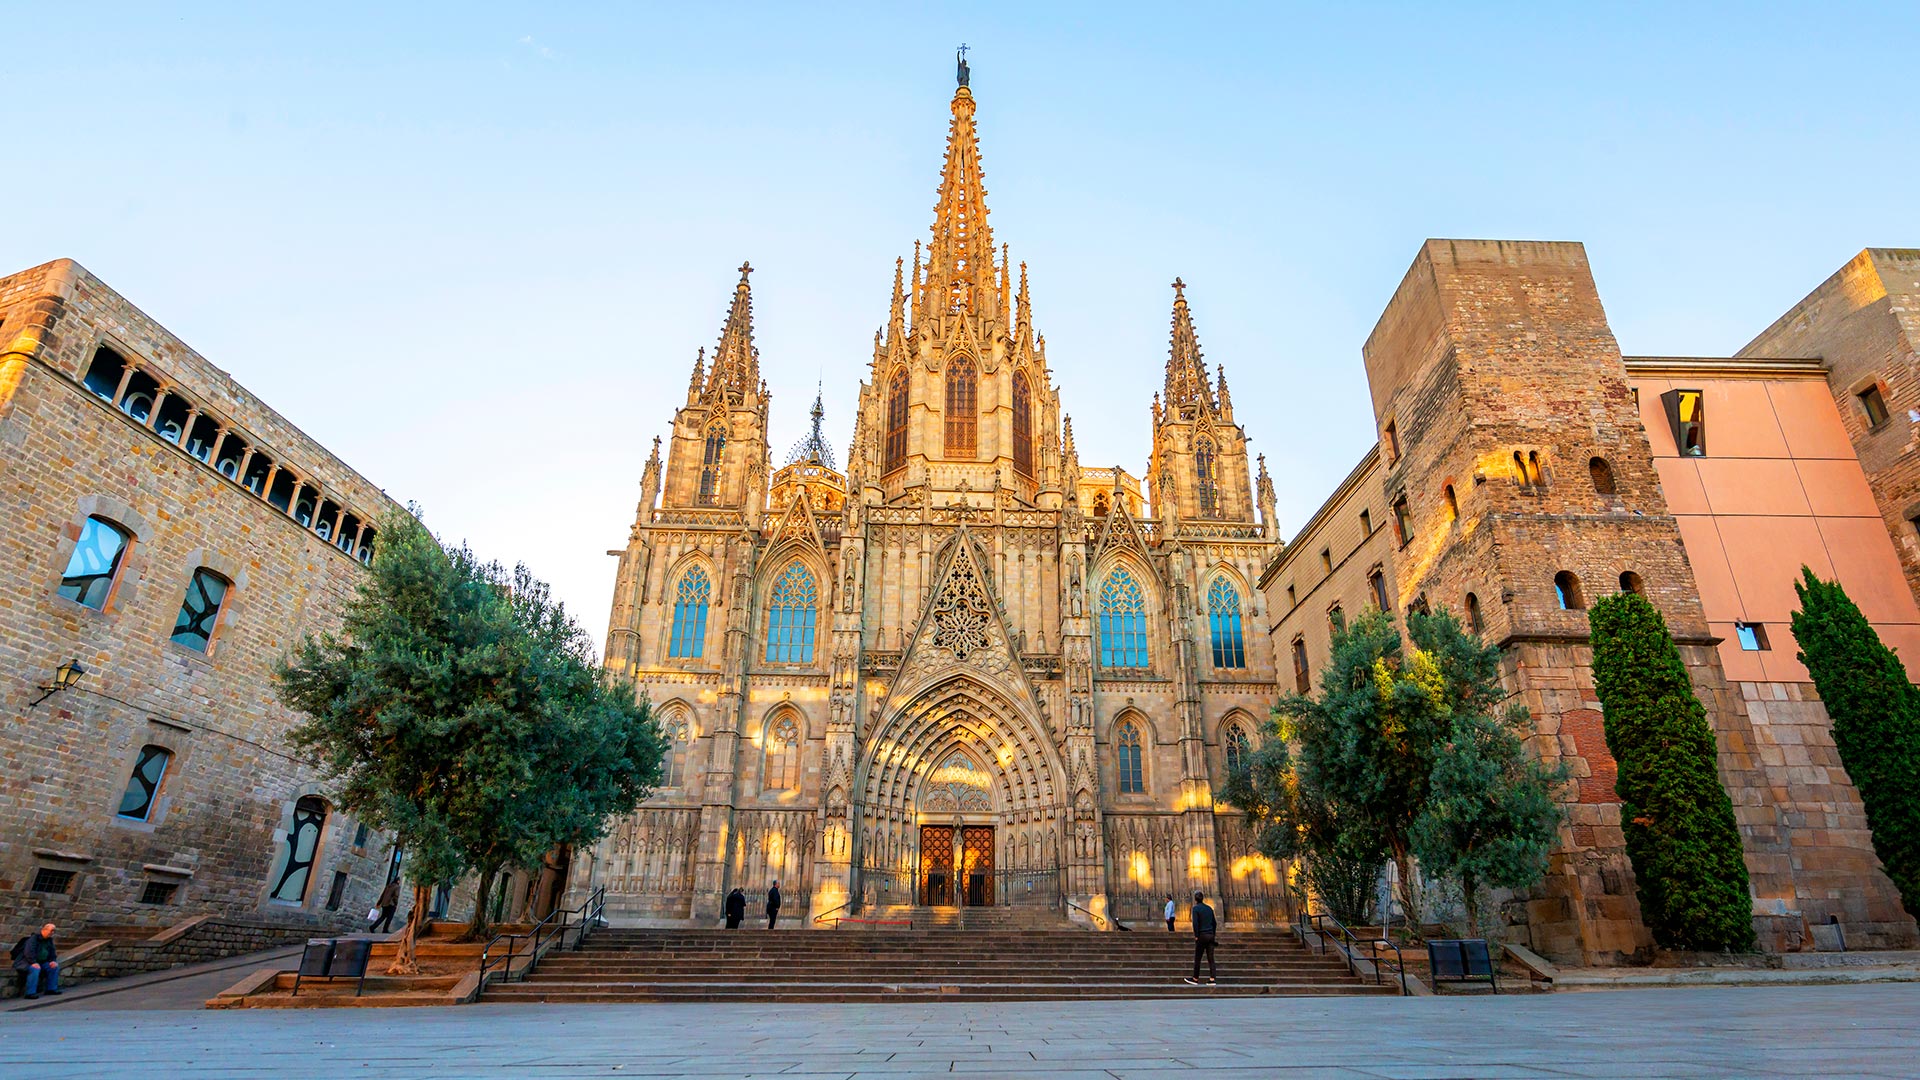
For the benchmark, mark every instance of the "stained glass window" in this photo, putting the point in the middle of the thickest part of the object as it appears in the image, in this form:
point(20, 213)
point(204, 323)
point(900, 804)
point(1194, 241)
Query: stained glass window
point(200, 610)
point(782, 770)
point(790, 617)
point(690, 615)
point(896, 442)
point(1132, 778)
point(1022, 424)
point(143, 787)
point(1223, 616)
point(1123, 622)
point(95, 560)
point(302, 848)
point(963, 409)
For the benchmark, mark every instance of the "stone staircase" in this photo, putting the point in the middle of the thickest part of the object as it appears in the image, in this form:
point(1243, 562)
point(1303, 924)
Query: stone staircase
point(1012, 963)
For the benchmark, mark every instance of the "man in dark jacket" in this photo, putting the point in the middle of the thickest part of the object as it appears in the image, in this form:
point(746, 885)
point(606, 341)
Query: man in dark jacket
point(1204, 929)
point(389, 900)
point(736, 909)
point(37, 956)
point(773, 905)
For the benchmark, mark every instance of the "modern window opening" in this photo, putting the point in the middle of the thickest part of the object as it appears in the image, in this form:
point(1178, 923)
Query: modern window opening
point(95, 562)
point(1874, 405)
point(1602, 474)
point(1132, 774)
point(143, 786)
point(896, 440)
point(689, 634)
point(1752, 636)
point(1474, 621)
point(1123, 622)
point(1302, 677)
point(1566, 589)
point(1630, 582)
point(791, 612)
point(1223, 616)
point(1022, 424)
point(302, 848)
point(963, 409)
point(200, 611)
point(712, 457)
point(1686, 414)
point(1204, 480)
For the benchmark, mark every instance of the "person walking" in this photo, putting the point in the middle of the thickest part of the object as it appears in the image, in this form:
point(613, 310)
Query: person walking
point(736, 908)
point(388, 902)
point(1169, 913)
point(773, 905)
point(1204, 930)
point(38, 958)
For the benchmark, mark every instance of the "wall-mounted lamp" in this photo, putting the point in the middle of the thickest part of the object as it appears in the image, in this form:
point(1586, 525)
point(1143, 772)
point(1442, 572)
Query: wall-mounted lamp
point(63, 679)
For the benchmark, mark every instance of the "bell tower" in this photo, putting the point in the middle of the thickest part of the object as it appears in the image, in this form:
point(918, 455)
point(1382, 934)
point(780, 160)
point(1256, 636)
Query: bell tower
point(1198, 471)
point(718, 457)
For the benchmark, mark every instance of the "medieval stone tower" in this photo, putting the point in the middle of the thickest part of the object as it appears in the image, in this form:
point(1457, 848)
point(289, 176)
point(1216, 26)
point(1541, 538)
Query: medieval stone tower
point(966, 670)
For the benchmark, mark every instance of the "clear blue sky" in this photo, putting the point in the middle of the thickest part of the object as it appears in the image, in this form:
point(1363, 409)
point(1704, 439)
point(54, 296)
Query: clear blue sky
point(472, 248)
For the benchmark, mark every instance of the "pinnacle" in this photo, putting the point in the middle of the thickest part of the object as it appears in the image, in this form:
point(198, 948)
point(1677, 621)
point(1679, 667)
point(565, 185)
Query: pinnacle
point(1187, 381)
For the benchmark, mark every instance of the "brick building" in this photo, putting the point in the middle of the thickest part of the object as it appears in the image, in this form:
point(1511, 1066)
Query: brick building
point(174, 536)
point(1525, 466)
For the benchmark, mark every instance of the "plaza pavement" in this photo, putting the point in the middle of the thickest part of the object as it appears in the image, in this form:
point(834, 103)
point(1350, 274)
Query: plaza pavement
point(1823, 1031)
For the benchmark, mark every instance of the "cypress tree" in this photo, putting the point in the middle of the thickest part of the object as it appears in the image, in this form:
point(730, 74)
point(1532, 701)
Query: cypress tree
point(1678, 820)
point(1875, 711)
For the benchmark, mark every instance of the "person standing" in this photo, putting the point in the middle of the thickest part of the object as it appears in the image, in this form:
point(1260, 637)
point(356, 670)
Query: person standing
point(773, 905)
point(38, 957)
point(736, 908)
point(1204, 930)
point(388, 902)
point(1169, 913)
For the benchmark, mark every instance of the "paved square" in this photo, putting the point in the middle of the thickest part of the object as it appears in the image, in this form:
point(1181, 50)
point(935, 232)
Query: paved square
point(1745, 1032)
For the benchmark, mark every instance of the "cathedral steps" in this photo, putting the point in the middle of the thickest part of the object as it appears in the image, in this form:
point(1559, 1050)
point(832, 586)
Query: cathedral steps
point(946, 965)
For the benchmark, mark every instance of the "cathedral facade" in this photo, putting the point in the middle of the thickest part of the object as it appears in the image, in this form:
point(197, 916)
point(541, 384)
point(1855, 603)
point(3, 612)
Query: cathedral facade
point(966, 669)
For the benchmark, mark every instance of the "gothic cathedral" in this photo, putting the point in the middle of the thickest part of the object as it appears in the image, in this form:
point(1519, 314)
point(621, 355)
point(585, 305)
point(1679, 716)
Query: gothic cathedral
point(966, 670)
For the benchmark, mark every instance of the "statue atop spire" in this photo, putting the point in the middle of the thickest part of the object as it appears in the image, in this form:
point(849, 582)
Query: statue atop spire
point(814, 449)
point(961, 74)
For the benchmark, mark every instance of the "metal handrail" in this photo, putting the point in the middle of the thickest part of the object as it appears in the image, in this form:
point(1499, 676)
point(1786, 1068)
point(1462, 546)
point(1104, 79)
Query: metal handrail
point(1310, 921)
point(592, 910)
point(1102, 919)
point(822, 917)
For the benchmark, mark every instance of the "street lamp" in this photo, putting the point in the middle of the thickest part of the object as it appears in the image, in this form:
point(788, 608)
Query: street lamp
point(63, 679)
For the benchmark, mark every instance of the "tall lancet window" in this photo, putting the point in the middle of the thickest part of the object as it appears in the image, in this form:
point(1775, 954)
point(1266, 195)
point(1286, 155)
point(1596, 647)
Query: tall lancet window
point(896, 442)
point(1022, 424)
point(690, 615)
point(790, 617)
point(963, 409)
point(710, 464)
point(1203, 476)
point(1223, 617)
point(1123, 622)
point(1133, 779)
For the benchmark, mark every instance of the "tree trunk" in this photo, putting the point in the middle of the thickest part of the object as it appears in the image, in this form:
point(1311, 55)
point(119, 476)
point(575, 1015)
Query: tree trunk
point(1470, 897)
point(404, 962)
point(483, 895)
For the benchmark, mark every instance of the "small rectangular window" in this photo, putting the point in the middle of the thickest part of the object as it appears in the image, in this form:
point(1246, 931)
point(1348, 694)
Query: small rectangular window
point(337, 892)
point(159, 892)
point(1291, 600)
point(1366, 523)
point(1873, 405)
point(48, 880)
point(360, 834)
point(1402, 521)
point(1336, 618)
point(1377, 582)
point(200, 610)
point(1302, 678)
point(1393, 443)
point(1686, 412)
point(1326, 559)
point(1752, 636)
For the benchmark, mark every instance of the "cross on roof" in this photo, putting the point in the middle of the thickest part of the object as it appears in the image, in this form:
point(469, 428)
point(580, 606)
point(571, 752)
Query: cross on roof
point(1178, 285)
point(746, 268)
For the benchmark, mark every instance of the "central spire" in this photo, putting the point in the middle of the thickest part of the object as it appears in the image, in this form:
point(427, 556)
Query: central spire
point(736, 363)
point(1187, 382)
point(959, 267)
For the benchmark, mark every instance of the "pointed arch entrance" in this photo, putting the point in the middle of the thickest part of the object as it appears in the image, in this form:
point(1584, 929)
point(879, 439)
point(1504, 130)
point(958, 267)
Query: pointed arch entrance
point(962, 799)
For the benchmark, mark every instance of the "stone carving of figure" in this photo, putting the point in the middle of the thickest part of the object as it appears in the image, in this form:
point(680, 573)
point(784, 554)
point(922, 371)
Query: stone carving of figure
point(1073, 585)
point(961, 74)
point(846, 587)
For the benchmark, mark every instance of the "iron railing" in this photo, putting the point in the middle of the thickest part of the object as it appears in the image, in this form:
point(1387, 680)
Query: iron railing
point(1349, 947)
point(551, 930)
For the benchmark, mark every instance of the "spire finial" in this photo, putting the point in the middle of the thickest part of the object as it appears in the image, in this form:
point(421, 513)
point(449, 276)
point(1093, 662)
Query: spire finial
point(1187, 382)
point(814, 448)
point(745, 269)
point(960, 74)
point(1179, 289)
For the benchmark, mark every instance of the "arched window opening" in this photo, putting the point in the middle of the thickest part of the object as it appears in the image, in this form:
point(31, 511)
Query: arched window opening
point(259, 470)
point(782, 769)
point(1402, 521)
point(1100, 505)
point(232, 452)
point(200, 610)
point(1239, 748)
point(201, 437)
point(1223, 617)
point(1534, 476)
point(896, 440)
point(1022, 424)
point(1453, 503)
point(1566, 589)
point(1133, 780)
point(323, 525)
point(301, 850)
point(280, 495)
point(1123, 622)
point(171, 421)
point(104, 374)
point(677, 732)
point(94, 563)
point(143, 787)
point(304, 508)
point(963, 409)
point(1302, 677)
point(790, 617)
point(138, 398)
point(1602, 474)
point(711, 459)
point(1474, 622)
point(1519, 469)
point(1205, 485)
point(1630, 582)
point(689, 634)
